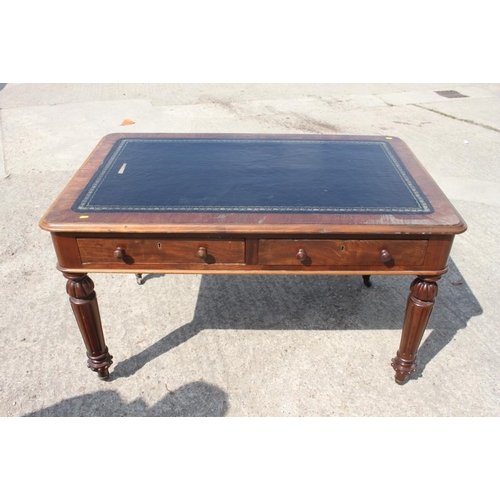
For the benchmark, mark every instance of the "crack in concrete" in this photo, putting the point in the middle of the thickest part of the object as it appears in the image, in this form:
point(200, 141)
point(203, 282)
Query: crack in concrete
point(308, 124)
point(465, 120)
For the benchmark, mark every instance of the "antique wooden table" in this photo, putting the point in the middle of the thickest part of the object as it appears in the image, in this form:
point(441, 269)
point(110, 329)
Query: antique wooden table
point(262, 204)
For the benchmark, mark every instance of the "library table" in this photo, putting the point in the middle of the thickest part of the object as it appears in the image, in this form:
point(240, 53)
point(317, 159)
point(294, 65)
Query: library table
point(261, 204)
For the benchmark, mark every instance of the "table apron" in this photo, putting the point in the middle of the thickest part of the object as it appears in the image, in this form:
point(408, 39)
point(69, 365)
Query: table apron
point(247, 254)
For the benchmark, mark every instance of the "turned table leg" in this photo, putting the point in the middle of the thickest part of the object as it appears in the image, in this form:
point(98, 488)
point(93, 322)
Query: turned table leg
point(423, 291)
point(83, 300)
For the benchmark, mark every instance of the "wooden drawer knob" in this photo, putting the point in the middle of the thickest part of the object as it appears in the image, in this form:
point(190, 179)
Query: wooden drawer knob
point(119, 253)
point(385, 256)
point(301, 255)
point(202, 253)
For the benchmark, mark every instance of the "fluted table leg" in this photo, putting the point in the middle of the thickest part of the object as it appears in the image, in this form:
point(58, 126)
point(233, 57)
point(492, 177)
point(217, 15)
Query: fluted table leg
point(83, 300)
point(423, 291)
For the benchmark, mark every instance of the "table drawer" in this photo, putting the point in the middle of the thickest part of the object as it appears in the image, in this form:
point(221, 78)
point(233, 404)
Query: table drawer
point(276, 252)
point(161, 251)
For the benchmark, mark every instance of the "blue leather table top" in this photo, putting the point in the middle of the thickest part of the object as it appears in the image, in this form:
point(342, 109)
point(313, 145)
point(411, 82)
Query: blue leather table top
point(252, 175)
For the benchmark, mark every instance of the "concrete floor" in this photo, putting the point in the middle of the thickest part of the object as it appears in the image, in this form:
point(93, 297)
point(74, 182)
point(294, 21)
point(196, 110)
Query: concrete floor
point(192, 345)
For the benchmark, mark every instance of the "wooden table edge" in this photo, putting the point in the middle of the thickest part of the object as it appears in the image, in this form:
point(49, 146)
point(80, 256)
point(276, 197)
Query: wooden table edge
point(243, 229)
point(240, 271)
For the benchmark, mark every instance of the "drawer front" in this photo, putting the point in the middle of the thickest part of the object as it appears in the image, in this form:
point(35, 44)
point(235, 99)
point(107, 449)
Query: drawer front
point(384, 253)
point(161, 251)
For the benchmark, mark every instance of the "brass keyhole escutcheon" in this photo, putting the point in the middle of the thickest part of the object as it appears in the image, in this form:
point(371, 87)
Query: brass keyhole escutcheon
point(342, 248)
point(159, 245)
